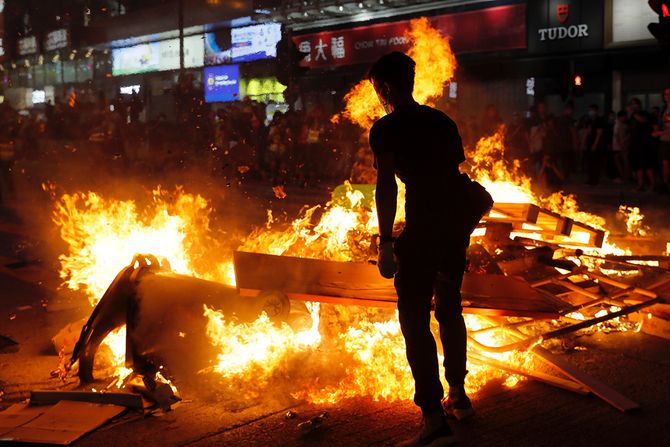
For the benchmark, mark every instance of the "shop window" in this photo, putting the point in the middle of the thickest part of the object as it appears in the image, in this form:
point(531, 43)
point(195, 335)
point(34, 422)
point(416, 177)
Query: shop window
point(25, 77)
point(53, 73)
point(84, 69)
point(69, 72)
point(39, 75)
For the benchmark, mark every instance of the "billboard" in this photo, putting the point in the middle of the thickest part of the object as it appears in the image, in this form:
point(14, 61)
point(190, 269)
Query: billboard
point(194, 53)
point(222, 83)
point(490, 29)
point(3, 50)
point(157, 56)
point(243, 44)
point(59, 38)
point(138, 59)
point(27, 45)
point(630, 20)
point(564, 26)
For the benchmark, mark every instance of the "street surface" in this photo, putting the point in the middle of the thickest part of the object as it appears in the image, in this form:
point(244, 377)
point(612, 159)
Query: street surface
point(33, 307)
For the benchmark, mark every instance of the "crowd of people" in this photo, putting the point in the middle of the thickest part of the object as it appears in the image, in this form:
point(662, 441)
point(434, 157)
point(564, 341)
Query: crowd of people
point(234, 141)
point(238, 141)
point(629, 146)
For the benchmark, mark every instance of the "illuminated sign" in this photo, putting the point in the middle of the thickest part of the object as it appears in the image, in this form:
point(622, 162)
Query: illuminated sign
point(129, 89)
point(157, 56)
point(530, 86)
point(27, 45)
point(243, 44)
point(137, 59)
point(263, 89)
point(564, 32)
point(222, 83)
point(629, 21)
point(558, 26)
point(56, 39)
point(255, 42)
point(194, 53)
point(488, 29)
point(3, 52)
point(39, 96)
point(453, 90)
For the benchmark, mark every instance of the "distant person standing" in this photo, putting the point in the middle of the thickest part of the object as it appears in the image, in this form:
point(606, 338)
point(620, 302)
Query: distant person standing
point(662, 132)
point(621, 147)
point(537, 136)
point(566, 133)
point(595, 145)
point(643, 159)
point(516, 137)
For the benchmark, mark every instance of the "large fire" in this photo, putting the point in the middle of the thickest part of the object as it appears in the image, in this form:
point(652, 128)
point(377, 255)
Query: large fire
point(104, 234)
point(435, 67)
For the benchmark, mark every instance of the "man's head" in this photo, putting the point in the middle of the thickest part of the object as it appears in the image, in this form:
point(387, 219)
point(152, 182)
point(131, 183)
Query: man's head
point(393, 79)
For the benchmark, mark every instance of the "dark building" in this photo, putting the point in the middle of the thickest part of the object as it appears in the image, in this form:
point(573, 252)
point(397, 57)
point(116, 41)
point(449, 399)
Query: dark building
point(510, 52)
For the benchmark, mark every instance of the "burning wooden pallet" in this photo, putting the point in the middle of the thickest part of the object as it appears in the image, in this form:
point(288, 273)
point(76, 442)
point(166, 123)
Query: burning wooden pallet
point(360, 284)
point(527, 218)
point(494, 296)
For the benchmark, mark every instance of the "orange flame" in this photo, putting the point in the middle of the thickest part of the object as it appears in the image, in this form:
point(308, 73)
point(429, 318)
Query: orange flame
point(435, 66)
point(104, 234)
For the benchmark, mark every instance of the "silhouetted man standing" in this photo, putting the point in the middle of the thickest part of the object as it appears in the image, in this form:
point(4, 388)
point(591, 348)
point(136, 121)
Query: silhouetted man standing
point(422, 146)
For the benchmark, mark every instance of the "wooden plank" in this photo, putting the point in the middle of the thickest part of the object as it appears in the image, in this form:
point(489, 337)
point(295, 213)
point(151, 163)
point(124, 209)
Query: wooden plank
point(554, 222)
point(534, 375)
point(554, 227)
point(606, 393)
point(522, 212)
point(596, 237)
point(361, 284)
point(47, 397)
point(656, 326)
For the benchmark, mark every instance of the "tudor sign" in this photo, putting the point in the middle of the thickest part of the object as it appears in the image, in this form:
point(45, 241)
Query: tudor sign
point(565, 25)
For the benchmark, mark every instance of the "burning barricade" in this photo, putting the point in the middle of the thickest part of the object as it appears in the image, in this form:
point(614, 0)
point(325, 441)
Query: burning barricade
point(534, 275)
point(539, 268)
point(303, 306)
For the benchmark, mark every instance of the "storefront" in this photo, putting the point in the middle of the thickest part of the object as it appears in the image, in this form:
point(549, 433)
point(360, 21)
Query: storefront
point(240, 63)
point(606, 43)
point(511, 55)
point(339, 58)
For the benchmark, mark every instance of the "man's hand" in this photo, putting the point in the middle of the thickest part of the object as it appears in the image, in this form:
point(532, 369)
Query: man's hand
point(386, 260)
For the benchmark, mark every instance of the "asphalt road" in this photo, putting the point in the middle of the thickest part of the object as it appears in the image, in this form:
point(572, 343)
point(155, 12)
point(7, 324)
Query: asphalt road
point(33, 308)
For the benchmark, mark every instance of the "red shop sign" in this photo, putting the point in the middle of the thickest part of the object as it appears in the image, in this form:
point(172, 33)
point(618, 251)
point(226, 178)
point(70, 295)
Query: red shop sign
point(490, 29)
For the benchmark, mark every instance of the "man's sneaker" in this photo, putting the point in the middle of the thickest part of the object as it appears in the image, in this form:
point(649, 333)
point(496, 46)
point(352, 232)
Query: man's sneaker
point(457, 405)
point(435, 433)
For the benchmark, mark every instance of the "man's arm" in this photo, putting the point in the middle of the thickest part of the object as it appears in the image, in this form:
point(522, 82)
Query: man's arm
point(386, 194)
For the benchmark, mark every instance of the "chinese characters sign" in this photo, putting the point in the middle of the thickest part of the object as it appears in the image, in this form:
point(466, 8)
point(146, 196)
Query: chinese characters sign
point(56, 39)
point(27, 45)
point(496, 28)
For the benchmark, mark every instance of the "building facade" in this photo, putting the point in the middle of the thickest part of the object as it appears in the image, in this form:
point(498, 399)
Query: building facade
point(511, 53)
